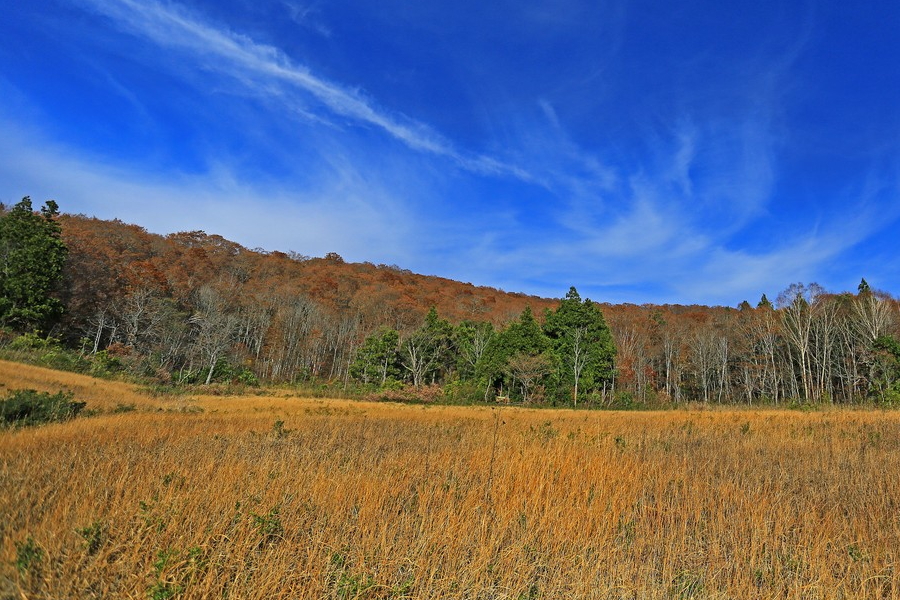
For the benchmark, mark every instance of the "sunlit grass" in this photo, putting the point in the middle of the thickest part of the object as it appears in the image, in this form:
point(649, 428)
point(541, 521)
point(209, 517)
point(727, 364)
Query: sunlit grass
point(278, 497)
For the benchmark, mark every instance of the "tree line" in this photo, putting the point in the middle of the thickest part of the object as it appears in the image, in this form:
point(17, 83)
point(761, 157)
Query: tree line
point(196, 308)
point(808, 346)
point(571, 352)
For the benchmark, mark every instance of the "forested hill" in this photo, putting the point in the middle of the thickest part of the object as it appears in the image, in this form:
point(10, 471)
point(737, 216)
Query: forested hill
point(110, 260)
point(192, 307)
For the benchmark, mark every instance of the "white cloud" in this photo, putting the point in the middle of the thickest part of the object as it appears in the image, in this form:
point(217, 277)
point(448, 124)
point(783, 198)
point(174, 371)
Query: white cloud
point(306, 15)
point(683, 232)
point(671, 217)
point(342, 210)
point(259, 67)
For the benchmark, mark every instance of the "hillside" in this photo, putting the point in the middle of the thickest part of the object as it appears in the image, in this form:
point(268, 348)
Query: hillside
point(192, 307)
point(111, 257)
point(107, 258)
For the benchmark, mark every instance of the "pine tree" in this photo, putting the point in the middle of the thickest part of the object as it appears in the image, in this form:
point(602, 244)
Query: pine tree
point(518, 344)
point(378, 359)
point(32, 256)
point(582, 342)
point(764, 302)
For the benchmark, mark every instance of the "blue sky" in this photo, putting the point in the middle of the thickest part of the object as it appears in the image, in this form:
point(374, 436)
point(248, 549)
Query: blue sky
point(664, 152)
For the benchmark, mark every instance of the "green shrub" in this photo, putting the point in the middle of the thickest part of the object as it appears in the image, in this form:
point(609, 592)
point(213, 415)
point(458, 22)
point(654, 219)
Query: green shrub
point(30, 407)
point(93, 536)
point(246, 377)
point(623, 400)
point(269, 525)
point(33, 341)
point(464, 392)
point(104, 363)
point(28, 555)
point(64, 360)
point(46, 352)
point(226, 372)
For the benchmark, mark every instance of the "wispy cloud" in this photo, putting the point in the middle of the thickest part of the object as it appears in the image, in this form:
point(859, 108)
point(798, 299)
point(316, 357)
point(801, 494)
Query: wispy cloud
point(258, 66)
point(684, 221)
point(805, 256)
point(342, 210)
point(549, 175)
point(306, 15)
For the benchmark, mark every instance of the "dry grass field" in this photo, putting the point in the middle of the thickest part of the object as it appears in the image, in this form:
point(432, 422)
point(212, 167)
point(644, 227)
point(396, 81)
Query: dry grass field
point(280, 497)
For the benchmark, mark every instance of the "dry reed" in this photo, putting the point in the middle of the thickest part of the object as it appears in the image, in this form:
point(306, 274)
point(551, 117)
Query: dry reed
point(291, 498)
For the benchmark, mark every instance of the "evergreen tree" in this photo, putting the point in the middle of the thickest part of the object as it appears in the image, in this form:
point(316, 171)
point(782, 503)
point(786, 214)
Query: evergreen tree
point(32, 256)
point(425, 354)
point(884, 375)
point(513, 351)
point(471, 339)
point(582, 342)
point(378, 359)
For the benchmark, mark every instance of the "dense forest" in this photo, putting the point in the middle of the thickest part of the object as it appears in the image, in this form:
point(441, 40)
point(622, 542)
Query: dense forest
point(194, 308)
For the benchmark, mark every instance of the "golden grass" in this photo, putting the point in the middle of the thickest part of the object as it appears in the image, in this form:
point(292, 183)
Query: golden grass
point(99, 394)
point(356, 500)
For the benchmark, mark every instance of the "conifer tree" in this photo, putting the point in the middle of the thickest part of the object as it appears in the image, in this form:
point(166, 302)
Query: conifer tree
point(378, 359)
point(32, 256)
point(582, 342)
point(521, 338)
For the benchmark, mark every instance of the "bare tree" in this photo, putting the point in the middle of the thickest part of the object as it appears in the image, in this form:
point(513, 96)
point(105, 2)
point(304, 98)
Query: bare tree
point(99, 322)
point(673, 362)
point(872, 316)
point(795, 304)
point(704, 359)
point(824, 337)
point(578, 356)
point(632, 361)
point(424, 350)
point(526, 370)
point(721, 357)
point(214, 327)
point(297, 323)
point(472, 341)
point(138, 315)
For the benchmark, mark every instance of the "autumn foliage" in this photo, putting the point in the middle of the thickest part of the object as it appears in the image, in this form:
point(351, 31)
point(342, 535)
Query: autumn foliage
point(196, 308)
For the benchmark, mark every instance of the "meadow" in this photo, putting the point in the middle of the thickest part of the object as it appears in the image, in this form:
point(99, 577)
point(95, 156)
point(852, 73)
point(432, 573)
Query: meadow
point(284, 497)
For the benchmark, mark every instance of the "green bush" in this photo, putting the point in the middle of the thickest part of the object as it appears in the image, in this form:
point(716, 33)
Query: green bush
point(28, 555)
point(104, 363)
point(623, 400)
point(65, 360)
point(246, 377)
point(46, 352)
point(227, 372)
point(464, 392)
point(30, 407)
point(33, 341)
point(93, 536)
